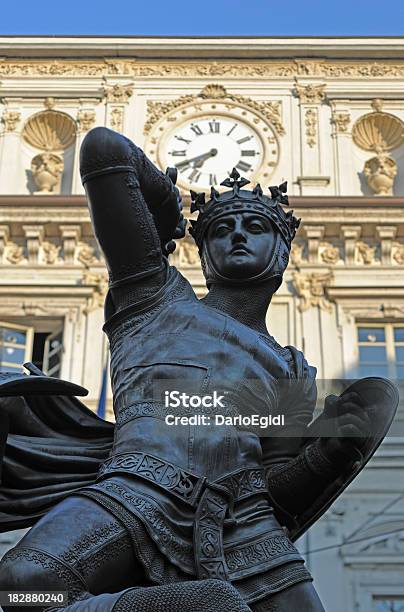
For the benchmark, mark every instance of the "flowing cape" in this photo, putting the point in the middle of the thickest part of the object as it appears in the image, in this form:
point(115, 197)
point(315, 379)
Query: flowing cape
point(54, 446)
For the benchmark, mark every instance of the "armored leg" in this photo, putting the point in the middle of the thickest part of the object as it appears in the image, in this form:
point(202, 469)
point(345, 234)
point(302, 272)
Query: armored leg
point(77, 547)
point(299, 597)
point(192, 596)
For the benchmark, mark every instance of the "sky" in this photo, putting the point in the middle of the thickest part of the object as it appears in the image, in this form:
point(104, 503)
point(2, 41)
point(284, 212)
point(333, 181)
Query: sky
point(203, 17)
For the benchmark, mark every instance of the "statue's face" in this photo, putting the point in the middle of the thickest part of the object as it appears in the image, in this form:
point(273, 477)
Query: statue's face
point(241, 245)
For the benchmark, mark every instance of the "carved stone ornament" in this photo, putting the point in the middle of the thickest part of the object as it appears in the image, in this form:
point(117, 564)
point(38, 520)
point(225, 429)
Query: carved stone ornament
point(188, 254)
point(311, 288)
point(50, 131)
point(330, 254)
point(341, 120)
point(269, 109)
point(378, 132)
point(362, 69)
point(116, 119)
point(310, 121)
point(100, 283)
point(50, 252)
point(11, 120)
point(86, 254)
point(366, 253)
point(296, 253)
point(86, 120)
point(380, 172)
point(398, 253)
point(310, 94)
point(14, 254)
point(118, 93)
point(47, 169)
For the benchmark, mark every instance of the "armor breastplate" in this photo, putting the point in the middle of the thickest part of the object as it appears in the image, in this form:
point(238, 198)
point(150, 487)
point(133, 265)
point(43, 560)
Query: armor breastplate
point(176, 339)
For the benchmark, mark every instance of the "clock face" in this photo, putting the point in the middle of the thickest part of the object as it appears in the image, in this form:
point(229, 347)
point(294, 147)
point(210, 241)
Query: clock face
point(207, 139)
point(206, 149)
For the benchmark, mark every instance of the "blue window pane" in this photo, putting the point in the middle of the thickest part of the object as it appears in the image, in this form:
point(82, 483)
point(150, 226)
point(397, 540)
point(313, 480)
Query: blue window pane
point(373, 370)
point(372, 353)
point(389, 605)
point(400, 353)
point(7, 334)
point(399, 334)
point(400, 372)
point(12, 355)
point(371, 334)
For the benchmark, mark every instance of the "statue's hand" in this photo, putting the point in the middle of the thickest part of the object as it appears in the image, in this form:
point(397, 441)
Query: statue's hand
point(352, 426)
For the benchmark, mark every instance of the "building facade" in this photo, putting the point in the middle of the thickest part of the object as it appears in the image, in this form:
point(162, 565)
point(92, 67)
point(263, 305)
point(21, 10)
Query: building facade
point(327, 115)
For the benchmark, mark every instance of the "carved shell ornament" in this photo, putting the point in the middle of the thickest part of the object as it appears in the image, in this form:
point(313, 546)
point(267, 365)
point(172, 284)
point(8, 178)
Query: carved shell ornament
point(379, 132)
point(50, 131)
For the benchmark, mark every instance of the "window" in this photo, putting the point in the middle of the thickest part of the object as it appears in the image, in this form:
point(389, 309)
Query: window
point(15, 346)
point(389, 604)
point(381, 350)
point(41, 343)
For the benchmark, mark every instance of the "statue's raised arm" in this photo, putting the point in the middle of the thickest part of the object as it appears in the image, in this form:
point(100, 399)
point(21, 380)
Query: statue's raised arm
point(135, 208)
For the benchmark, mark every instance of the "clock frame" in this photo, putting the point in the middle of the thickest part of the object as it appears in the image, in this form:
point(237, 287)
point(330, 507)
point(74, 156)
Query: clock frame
point(171, 123)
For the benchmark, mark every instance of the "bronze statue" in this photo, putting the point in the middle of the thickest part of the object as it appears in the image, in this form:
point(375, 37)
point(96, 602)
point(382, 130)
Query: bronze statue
point(193, 516)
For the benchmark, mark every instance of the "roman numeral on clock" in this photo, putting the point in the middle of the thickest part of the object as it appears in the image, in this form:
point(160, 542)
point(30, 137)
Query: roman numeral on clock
point(248, 153)
point(194, 176)
point(243, 166)
point(231, 129)
point(244, 139)
point(182, 139)
point(181, 153)
point(212, 179)
point(214, 126)
point(196, 129)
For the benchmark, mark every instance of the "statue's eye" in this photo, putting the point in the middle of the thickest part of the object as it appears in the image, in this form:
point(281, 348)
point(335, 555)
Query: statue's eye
point(256, 226)
point(221, 230)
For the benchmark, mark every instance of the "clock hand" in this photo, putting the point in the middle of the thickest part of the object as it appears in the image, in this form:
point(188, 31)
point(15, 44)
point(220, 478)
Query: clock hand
point(198, 160)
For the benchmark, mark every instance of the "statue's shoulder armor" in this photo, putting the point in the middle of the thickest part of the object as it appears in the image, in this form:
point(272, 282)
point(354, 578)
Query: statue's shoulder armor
point(297, 362)
point(136, 315)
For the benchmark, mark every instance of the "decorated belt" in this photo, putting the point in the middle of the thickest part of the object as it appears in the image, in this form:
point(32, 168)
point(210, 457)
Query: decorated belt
point(211, 500)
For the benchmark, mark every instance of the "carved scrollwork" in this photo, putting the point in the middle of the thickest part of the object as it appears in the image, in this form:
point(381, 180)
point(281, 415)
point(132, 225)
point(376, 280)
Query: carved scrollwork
point(86, 120)
point(118, 93)
point(310, 94)
point(312, 289)
point(330, 254)
point(366, 253)
point(269, 109)
point(11, 120)
point(341, 120)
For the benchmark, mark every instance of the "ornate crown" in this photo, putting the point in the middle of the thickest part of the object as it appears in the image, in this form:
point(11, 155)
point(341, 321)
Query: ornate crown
point(240, 200)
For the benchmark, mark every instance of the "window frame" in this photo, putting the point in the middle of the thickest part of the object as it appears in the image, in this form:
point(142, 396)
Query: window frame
point(389, 343)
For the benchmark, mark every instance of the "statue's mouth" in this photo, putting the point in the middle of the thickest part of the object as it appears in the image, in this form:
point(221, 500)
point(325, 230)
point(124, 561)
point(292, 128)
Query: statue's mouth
point(240, 250)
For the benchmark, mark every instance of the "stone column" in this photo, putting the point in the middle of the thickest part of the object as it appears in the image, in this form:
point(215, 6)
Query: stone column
point(311, 181)
point(85, 121)
point(10, 148)
point(343, 162)
point(116, 99)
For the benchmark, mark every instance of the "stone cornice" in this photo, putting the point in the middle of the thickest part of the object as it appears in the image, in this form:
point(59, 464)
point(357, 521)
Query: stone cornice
point(202, 47)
